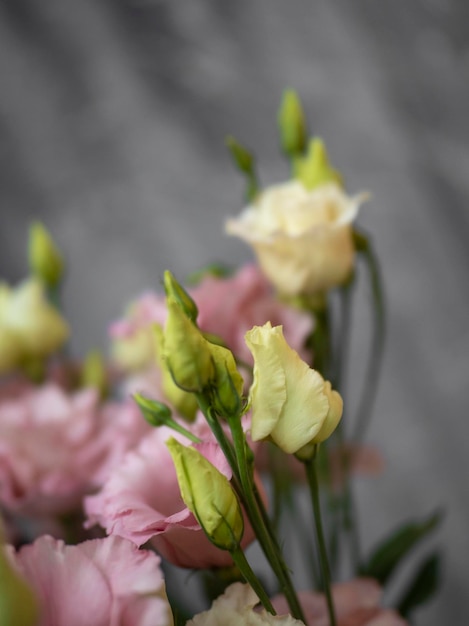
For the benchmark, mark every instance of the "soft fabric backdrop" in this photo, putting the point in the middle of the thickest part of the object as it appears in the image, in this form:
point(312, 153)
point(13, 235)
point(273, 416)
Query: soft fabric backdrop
point(112, 119)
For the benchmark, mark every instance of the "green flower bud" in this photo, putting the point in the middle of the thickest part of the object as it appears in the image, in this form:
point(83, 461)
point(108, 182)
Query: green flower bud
point(208, 494)
point(94, 373)
point(292, 124)
point(156, 413)
point(185, 403)
point(175, 291)
point(185, 351)
point(245, 162)
point(315, 168)
point(45, 259)
point(227, 388)
point(18, 604)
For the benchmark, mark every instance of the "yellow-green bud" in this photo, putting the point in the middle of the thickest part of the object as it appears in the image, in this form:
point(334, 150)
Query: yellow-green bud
point(45, 259)
point(156, 413)
point(93, 373)
point(185, 403)
point(177, 292)
point(208, 494)
point(227, 388)
point(18, 604)
point(186, 352)
point(315, 168)
point(292, 124)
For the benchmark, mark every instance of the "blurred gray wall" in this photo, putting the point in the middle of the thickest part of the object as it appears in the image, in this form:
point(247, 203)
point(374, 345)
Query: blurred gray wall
point(112, 120)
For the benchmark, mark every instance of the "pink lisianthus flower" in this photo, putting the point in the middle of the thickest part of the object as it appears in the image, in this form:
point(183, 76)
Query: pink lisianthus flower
point(102, 582)
point(55, 447)
point(228, 307)
point(141, 501)
point(356, 603)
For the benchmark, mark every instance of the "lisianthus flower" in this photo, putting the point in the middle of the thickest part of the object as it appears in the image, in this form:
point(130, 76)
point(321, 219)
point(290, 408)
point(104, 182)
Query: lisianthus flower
point(236, 608)
point(30, 328)
point(228, 307)
point(356, 603)
point(141, 501)
point(55, 447)
point(103, 582)
point(302, 238)
point(292, 404)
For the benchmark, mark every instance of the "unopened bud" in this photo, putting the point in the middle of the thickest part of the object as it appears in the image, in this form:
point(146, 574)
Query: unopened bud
point(45, 259)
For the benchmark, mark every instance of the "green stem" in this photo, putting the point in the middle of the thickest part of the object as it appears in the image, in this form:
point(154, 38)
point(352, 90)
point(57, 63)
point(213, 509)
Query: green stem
point(251, 578)
point(260, 520)
point(377, 343)
point(314, 490)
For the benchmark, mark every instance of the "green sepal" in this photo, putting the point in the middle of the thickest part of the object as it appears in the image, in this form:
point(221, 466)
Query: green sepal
point(423, 586)
point(246, 163)
point(388, 555)
point(315, 169)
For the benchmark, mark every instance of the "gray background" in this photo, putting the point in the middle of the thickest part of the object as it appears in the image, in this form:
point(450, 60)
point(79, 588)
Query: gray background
point(112, 120)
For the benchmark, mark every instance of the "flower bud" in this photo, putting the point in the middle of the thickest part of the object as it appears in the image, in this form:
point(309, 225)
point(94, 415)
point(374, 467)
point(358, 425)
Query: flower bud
point(315, 168)
point(156, 413)
point(18, 604)
point(227, 388)
point(208, 495)
point(45, 259)
point(291, 403)
point(175, 291)
point(186, 352)
point(185, 403)
point(94, 373)
point(292, 124)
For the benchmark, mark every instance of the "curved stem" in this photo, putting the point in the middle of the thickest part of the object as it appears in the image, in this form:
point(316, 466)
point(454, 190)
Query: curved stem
point(377, 343)
point(246, 570)
point(260, 520)
point(314, 490)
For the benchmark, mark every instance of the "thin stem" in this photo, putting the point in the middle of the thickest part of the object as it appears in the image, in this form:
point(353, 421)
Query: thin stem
point(314, 490)
point(260, 520)
point(246, 570)
point(377, 343)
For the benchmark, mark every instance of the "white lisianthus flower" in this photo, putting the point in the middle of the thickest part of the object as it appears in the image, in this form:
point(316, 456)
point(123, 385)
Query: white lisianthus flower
point(291, 403)
point(29, 326)
point(235, 608)
point(302, 238)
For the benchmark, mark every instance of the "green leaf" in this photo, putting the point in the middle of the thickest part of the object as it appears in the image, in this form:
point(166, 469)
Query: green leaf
point(292, 124)
point(390, 552)
point(246, 163)
point(423, 586)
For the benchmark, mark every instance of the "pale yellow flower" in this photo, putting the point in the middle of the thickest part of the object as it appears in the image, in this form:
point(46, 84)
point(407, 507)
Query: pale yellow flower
point(302, 238)
point(29, 326)
point(291, 403)
point(235, 608)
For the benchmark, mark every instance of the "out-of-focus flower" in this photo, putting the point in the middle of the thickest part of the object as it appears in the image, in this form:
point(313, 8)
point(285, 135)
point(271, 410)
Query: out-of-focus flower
point(55, 447)
point(291, 403)
point(302, 238)
point(103, 582)
point(141, 501)
point(30, 327)
point(356, 603)
point(228, 308)
point(236, 608)
point(208, 495)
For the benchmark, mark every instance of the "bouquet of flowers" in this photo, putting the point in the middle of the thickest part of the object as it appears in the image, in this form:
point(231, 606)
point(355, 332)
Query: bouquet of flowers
point(219, 421)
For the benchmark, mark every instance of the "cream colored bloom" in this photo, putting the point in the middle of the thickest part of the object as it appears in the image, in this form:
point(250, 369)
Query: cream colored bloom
point(235, 608)
point(29, 325)
point(291, 403)
point(302, 238)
